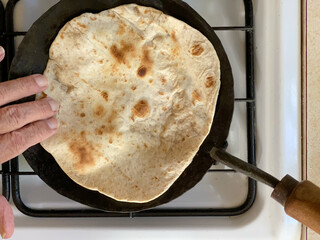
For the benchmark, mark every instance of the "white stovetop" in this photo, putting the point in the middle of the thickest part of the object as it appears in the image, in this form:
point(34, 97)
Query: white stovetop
point(277, 71)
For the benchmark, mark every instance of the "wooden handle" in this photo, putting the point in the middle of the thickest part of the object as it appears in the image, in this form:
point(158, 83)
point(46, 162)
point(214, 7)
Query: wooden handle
point(301, 201)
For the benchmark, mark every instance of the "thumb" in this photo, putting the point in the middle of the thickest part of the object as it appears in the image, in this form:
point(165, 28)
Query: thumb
point(6, 218)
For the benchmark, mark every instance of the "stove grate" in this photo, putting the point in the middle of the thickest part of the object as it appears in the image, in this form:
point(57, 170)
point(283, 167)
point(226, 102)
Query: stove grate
point(7, 35)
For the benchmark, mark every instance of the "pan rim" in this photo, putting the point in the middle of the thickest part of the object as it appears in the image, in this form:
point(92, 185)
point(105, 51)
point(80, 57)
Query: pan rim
point(202, 158)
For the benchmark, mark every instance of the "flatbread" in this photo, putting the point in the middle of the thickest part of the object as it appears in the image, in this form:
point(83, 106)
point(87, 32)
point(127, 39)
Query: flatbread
point(137, 92)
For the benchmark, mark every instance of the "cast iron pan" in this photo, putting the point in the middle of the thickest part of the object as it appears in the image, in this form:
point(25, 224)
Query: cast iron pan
point(32, 57)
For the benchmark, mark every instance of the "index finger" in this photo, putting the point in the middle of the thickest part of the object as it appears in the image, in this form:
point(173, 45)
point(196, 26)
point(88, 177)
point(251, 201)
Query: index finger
point(22, 87)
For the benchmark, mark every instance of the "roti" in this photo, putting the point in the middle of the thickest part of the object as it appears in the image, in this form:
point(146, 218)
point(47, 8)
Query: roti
point(137, 92)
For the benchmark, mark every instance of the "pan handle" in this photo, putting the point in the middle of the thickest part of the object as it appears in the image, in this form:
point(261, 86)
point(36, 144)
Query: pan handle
point(301, 201)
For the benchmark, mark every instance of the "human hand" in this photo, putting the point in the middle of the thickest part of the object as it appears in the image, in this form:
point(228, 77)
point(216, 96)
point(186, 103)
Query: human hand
point(22, 126)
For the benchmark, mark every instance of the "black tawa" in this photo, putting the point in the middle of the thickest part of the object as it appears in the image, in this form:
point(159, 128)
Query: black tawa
point(32, 57)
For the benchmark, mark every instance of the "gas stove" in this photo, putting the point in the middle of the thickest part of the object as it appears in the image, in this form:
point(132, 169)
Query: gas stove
point(262, 40)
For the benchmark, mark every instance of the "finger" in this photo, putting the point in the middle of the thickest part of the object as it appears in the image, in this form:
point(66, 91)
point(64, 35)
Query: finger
point(14, 143)
point(2, 53)
point(22, 87)
point(16, 116)
point(6, 218)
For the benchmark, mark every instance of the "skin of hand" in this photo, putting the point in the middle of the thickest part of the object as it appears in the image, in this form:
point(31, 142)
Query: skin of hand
point(22, 126)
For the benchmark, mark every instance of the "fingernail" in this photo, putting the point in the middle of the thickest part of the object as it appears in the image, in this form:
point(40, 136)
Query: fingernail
point(3, 235)
point(1, 51)
point(52, 123)
point(53, 104)
point(41, 80)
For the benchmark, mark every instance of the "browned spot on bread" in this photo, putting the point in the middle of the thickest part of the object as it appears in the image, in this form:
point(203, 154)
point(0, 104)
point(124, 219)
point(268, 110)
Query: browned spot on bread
point(121, 29)
point(161, 93)
point(82, 133)
point(82, 104)
point(173, 36)
point(164, 108)
point(146, 11)
point(195, 97)
point(123, 94)
point(112, 14)
point(142, 71)
point(133, 88)
point(105, 95)
point(141, 109)
point(178, 106)
point(142, 21)
point(98, 131)
point(84, 153)
point(66, 65)
point(146, 63)
point(70, 88)
point(112, 116)
point(81, 25)
point(83, 80)
point(183, 139)
point(209, 82)
point(175, 53)
point(129, 154)
point(94, 51)
point(155, 131)
point(197, 50)
point(99, 111)
point(163, 81)
point(93, 18)
point(101, 61)
point(82, 115)
point(106, 159)
point(146, 57)
point(120, 54)
point(119, 134)
point(117, 54)
point(145, 145)
point(76, 74)
point(110, 140)
point(62, 36)
point(168, 98)
point(136, 10)
point(155, 179)
point(150, 81)
point(122, 107)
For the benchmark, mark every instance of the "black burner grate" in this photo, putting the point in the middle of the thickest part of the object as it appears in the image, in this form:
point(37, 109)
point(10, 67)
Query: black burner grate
point(7, 35)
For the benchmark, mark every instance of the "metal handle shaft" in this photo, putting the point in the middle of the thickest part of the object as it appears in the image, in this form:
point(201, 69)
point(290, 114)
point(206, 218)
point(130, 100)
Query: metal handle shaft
point(239, 165)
